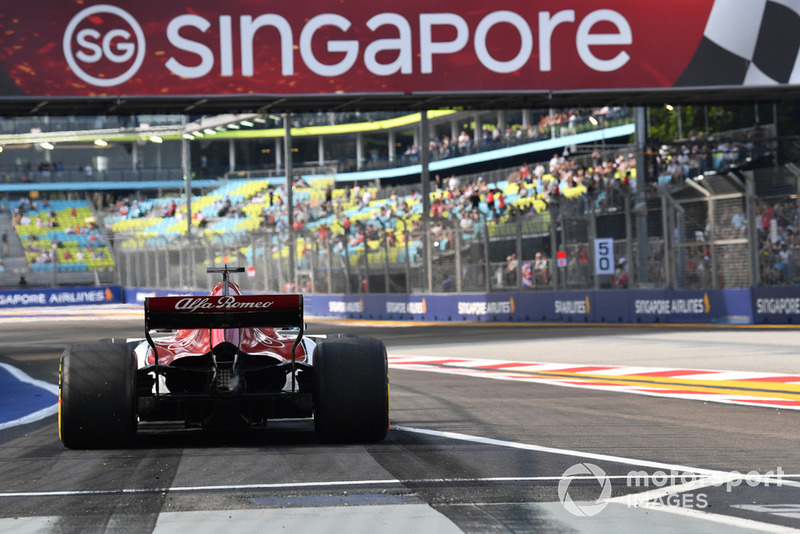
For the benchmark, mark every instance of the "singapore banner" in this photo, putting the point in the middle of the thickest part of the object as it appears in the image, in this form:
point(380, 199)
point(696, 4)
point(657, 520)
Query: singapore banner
point(81, 48)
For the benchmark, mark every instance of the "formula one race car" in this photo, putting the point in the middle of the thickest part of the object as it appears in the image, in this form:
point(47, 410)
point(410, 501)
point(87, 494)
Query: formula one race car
point(230, 360)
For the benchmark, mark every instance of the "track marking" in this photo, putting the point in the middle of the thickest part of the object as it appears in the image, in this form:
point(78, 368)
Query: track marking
point(711, 477)
point(39, 414)
point(553, 450)
point(728, 520)
point(728, 387)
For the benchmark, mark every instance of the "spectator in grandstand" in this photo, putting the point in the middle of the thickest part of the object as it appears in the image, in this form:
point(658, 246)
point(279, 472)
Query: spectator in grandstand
point(437, 208)
point(297, 225)
point(490, 200)
point(738, 221)
point(280, 226)
point(436, 227)
point(224, 208)
point(453, 183)
point(486, 136)
point(510, 271)
point(541, 269)
point(298, 182)
point(465, 222)
point(474, 195)
point(464, 141)
point(621, 274)
point(5, 242)
point(768, 261)
point(501, 203)
point(555, 162)
point(169, 211)
point(366, 198)
point(412, 153)
point(782, 264)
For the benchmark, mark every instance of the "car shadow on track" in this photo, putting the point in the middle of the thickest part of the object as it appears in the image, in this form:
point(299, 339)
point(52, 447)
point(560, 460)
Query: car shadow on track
point(283, 433)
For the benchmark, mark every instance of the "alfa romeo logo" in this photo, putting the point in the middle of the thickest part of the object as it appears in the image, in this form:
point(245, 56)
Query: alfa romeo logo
point(104, 45)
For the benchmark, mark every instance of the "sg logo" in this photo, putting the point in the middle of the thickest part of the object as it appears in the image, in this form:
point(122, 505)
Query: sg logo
point(88, 39)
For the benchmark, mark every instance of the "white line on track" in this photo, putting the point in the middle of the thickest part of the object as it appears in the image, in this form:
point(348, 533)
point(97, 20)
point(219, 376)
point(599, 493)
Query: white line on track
point(714, 478)
point(562, 452)
point(727, 520)
point(710, 476)
point(35, 416)
point(642, 500)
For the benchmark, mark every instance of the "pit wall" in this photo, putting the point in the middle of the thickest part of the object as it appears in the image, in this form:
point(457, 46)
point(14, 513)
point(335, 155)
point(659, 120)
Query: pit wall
point(761, 305)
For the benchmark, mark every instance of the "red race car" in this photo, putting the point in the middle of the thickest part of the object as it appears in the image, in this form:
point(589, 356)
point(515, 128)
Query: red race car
point(230, 360)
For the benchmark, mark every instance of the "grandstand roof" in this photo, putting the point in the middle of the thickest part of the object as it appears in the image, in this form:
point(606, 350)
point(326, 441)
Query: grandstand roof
point(301, 103)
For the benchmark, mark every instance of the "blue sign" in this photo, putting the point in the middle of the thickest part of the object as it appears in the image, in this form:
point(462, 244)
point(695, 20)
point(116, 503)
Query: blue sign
point(726, 306)
point(776, 305)
point(61, 296)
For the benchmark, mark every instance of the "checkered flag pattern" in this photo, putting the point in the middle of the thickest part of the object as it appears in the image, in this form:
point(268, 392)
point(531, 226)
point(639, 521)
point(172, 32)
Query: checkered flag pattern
point(748, 42)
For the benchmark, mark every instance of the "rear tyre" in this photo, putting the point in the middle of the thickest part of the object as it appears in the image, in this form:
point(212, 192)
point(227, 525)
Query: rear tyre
point(351, 391)
point(97, 396)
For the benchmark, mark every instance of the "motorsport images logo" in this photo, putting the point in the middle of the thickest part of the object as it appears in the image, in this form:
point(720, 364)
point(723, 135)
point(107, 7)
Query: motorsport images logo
point(582, 472)
point(676, 488)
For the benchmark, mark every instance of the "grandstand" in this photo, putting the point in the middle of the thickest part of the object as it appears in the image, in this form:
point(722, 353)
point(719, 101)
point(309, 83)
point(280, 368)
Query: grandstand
point(363, 231)
point(56, 238)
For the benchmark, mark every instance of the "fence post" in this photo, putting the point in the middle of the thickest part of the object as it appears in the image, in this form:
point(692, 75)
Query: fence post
point(643, 245)
point(148, 279)
point(518, 268)
point(157, 266)
point(554, 268)
point(279, 266)
point(385, 255)
point(406, 235)
point(667, 246)
point(592, 237)
point(752, 232)
point(712, 239)
point(457, 234)
point(128, 270)
point(632, 272)
point(329, 261)
point(487, 257)
point(346, 263)
point(139, 271)
point(265, 251)
point(365, 282)
point(185, 266)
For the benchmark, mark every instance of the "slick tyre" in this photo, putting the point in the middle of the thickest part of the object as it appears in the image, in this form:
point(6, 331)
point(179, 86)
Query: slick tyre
point(97, 396)
point(351, 391)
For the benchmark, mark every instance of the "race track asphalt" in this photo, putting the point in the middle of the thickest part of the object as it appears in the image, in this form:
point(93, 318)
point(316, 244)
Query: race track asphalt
point(466, 453)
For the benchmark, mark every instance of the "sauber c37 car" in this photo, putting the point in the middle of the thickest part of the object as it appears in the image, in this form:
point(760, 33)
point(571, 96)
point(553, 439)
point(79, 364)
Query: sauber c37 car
point(230, 360)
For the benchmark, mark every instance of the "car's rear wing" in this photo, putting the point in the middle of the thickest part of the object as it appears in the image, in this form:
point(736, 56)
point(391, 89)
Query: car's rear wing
point(225, 311)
